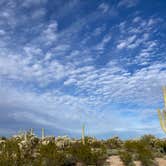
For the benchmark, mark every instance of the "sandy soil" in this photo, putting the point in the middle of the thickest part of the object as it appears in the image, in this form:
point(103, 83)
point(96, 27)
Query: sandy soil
point(162, 162)
point(137, 163)
point(115, 161)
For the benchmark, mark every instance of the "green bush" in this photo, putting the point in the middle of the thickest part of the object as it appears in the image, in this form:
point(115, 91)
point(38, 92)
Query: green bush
point(10, 153)
point(113, 143)
point(126, 157)
point(145, 154)
point(141, 150)
point(87, 155)
point(49, 155)
point(112, 152)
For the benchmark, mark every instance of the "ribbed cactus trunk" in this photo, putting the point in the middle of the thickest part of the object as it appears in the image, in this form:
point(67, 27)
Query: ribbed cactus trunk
point(162, 114)
point(25, 136)
point(43, 133)
point(162, 120)
point(83, 134)
point(31, 131)
point(164, 92)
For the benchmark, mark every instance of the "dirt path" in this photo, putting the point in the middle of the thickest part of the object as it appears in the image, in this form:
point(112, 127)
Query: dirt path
point(115, 161)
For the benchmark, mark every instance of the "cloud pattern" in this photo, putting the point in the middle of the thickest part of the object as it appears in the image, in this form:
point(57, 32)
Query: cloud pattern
point(102, 64)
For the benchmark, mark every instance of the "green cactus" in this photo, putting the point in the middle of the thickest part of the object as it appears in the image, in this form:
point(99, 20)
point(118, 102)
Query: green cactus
point(43, 135)
point(162, 114)
point(83, 134)
point(31, 131)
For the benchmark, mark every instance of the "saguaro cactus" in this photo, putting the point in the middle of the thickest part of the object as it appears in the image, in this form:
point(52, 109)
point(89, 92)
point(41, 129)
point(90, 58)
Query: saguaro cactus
point(25, 136)
point(43, 133)
point(164, 92)
point(83, 134)
point(162, 114)
point(31, 131)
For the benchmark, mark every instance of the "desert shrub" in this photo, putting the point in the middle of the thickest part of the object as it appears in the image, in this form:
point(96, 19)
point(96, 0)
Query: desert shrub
point(10, 153)
point(96, 144)
point(145, 154)
point(33, 151)
point(99, 156)
point(126, 157)
point(150, 141)
point(111, 152)
point(160, 145)
point(130, 145)
point(113, 143)
point(93, 142)
point(148, 138)
point(49, 155)
point(3, 138)
point(69, 160)
point(28, 150)
point(87, 155)
point(141, 150)
point(81, 153)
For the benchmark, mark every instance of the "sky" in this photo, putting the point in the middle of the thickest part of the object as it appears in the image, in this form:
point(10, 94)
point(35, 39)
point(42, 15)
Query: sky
point(64, 63)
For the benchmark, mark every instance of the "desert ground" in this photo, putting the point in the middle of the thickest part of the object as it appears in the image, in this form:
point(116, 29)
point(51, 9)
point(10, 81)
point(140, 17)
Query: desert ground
point(115, 161)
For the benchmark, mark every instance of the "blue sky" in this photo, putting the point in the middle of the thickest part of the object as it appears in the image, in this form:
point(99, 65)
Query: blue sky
point(68, 62)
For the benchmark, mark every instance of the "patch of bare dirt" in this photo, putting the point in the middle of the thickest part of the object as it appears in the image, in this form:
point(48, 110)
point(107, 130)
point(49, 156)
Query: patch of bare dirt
point(161, 161)
point(116, 161)
point(137, 163)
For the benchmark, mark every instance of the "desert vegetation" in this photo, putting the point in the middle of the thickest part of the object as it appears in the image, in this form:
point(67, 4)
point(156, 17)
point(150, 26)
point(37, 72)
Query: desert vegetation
point(29, 150)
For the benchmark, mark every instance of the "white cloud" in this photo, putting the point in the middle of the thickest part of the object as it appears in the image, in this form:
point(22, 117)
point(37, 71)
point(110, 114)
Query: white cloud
point(30, 3)
point(67, 112)
point(58, 59)
point(50, 32)
point(38, 13)
point(2, 32)
point(62, 47)
point(128, 3)
point(136, 33)
point(30, 69)
point(69, 81)
point(104, 7)
point(136, 19)
point(30, 50)
point(105, 84)
point(104, 41)
point(98, 30)
point(121, 45)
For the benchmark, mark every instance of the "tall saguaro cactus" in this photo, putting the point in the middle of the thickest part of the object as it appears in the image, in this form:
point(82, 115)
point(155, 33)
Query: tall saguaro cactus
point(25, 136)
point(164, 92)
point(162, 114)
point(31, 131)
point(83, 134)
point(43, 134)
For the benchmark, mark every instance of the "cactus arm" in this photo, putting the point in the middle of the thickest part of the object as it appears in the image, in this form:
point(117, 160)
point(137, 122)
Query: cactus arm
point(164, 116)
point(164, 93)
point(161, 121)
